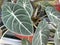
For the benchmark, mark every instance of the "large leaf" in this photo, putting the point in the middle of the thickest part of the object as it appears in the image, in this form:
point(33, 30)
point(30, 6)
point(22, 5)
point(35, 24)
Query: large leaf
point(53, 15)
point(25, 42)
point(16, 18)
point(41, 34)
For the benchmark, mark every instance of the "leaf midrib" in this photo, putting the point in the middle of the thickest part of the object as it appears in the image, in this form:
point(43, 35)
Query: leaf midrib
point(18, 20)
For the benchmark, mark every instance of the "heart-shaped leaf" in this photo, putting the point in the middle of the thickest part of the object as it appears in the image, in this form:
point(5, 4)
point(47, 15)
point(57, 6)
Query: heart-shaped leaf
point(16, 18)
point(53, 15)
point(41, 34)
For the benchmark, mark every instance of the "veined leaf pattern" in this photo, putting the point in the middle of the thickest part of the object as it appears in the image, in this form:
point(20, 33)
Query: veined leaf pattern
point(53, 15)
point(17, 19)
point(41, 34)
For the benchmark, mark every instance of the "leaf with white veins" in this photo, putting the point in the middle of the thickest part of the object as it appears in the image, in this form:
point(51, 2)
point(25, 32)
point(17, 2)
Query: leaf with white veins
point(17, 19)
point(41, 35)
point(53, 15)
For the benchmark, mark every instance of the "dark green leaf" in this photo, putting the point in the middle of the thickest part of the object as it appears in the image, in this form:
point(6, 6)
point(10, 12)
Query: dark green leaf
point(17, 19)
point(41, 35)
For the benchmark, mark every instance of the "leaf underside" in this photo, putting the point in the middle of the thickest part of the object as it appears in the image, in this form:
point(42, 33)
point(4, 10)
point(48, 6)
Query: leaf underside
point(41, 34)
point(17, 17)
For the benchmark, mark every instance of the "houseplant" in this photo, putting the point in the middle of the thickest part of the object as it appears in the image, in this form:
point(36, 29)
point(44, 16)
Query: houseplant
point(17, 18)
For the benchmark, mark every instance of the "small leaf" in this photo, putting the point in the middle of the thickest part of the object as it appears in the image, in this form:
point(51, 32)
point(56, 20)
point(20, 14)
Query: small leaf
point(25, 42)
point(41, 34)
point(17, 19)
point(53, 15)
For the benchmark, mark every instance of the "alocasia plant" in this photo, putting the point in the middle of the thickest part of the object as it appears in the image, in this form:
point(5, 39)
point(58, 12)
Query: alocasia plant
point(17, 18)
